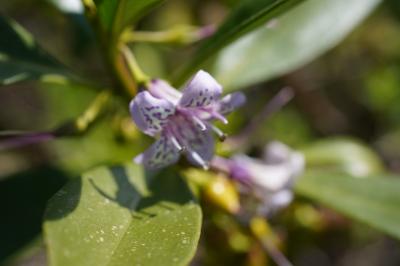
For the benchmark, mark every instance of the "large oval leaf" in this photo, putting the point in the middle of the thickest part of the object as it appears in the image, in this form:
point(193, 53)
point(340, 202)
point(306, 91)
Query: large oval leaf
point(122, 216)
point(20, 56)
point(300, 35)
point(248, 15)
point(374, 201)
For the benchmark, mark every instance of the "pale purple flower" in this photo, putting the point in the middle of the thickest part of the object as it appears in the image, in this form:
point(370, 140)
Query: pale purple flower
point(182, 121)
point(270, 179)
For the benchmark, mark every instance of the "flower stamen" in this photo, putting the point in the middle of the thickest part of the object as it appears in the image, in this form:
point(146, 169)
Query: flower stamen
point(200, 123)
point(176, 143)
point(221, 135)
point(197, 158)
point(219, 117)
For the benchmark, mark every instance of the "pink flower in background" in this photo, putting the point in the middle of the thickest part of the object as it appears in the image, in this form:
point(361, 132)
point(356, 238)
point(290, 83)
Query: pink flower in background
point(269, 179)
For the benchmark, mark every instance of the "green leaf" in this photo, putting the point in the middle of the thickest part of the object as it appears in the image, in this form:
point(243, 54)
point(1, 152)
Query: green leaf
point(300, 35)
point(20, 56)
point(248, 15)
point(122, 216)
point(374, 201)
point(114, 15)
point(343, 154)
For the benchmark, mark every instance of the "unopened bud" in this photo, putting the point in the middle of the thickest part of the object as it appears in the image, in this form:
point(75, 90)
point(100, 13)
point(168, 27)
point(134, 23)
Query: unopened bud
point(221, 192)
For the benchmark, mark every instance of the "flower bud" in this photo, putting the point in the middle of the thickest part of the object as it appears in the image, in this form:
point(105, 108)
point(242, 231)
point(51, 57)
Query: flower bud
point(221, 192)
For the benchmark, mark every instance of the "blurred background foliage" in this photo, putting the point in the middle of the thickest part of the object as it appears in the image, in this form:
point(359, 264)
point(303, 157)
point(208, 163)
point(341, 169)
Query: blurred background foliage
point(352, 91)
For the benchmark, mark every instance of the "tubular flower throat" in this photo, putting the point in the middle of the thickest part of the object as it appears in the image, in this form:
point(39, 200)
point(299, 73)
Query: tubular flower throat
point(182, 121)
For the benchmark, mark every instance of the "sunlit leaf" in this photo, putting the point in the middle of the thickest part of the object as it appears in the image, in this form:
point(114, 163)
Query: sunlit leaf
point(296, 38)
point(374, 201)
point(21, 58)
point(248, 15)
point(122, 216)
point(343, 154)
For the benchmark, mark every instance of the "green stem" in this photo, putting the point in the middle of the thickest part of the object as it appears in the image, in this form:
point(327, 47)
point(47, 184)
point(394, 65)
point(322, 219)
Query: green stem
point(139, 76)
point(14, 139)
point(262, 231)
point(148, 36)
point(182, 34)
point(93, 111)
point(81, 124)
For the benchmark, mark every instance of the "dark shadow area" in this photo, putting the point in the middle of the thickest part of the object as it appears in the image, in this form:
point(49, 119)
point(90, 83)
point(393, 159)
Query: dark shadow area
point(64, 201)
point(23, 199)
point(127, 193)
point(167, 189)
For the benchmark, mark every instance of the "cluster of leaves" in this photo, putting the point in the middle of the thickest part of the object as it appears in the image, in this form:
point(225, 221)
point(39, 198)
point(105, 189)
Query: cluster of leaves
point(125, 216)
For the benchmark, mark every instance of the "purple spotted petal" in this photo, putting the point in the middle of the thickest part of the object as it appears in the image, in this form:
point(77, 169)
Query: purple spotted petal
point(201, 91)
point(201, 145)
point(230, 102)
point(161, 154)
point(162, 90)
point(198, 143)
point(149, 113)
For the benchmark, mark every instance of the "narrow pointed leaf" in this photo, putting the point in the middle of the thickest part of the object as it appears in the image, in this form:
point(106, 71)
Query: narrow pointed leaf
point(20, 56)
point(298, 36)
point(374, 201)
point(122, 216)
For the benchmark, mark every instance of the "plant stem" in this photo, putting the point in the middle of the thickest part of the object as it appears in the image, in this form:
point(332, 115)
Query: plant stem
point(139, 76)
point(13, 139)
point(124, 75)
point(261, 229)
point(94, 110)
point(183, 34)
point(274, 105)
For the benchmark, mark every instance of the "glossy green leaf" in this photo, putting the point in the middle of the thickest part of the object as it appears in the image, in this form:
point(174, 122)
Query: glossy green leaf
point(343, 154)
point(374, 201)
point(20, 56)
point(248, 15)
point(122, 216)
point(114, 15)
point(298, 36)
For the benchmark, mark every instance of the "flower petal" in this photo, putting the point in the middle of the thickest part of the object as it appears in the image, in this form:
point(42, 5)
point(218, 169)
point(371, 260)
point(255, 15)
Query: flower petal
point(278, 153)
point(198, 143)
point(149, 113)
point(202, 146)
point(230, 102)
point(266, 177)
point(272, 202)
point(162, 90)
point(201, 91)
point(161, 154)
